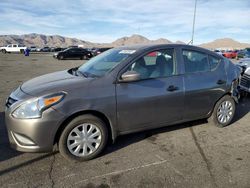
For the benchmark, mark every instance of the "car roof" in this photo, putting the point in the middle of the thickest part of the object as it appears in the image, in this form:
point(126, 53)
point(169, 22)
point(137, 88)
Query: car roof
point(141, 47)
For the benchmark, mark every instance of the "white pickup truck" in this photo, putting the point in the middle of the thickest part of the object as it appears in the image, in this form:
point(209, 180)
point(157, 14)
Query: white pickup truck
point(13, 48)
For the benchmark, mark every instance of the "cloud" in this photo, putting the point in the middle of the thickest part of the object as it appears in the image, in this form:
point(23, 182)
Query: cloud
point(104, 21)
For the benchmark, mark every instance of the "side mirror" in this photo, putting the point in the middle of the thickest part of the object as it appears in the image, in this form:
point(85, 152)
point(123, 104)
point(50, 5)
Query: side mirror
point(130, 76)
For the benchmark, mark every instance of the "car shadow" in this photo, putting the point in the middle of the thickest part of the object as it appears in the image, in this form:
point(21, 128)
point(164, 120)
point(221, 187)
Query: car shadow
point(122, 141)
point(126, 140)
point(6, 151)
point(242, 108)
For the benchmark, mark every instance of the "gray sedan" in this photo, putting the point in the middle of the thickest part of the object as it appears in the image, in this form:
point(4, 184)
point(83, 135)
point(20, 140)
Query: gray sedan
point(120, 91)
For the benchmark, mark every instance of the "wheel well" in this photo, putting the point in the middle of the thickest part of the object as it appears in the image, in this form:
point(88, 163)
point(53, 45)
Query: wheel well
point(92, 112)
point(210, 113)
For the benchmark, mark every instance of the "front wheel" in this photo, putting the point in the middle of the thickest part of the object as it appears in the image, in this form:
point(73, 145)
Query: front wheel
point(223, 112)
point(84, 138)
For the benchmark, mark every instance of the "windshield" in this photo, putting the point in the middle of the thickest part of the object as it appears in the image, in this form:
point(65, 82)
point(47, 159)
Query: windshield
point(101, 64)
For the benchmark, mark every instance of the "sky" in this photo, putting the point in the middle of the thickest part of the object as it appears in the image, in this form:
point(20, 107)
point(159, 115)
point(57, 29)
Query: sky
point(107, 20)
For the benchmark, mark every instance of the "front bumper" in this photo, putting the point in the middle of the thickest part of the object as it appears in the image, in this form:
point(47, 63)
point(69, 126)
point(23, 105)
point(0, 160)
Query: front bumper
point(33, 135)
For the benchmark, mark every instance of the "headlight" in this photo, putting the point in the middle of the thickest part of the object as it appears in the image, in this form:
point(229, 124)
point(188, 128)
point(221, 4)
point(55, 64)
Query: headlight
point(35, 107)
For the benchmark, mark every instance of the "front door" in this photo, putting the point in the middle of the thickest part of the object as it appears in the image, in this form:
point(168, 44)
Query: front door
point(156, 99)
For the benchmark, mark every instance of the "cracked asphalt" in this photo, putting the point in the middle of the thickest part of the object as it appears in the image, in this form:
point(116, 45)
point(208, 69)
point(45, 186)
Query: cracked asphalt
point(193, 154)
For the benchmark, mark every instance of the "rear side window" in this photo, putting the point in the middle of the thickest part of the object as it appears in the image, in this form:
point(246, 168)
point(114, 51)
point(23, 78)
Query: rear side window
point(195, 61)
point(213, 61)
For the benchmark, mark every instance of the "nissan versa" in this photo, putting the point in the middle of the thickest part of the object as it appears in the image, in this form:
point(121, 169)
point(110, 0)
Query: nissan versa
point(120, 91)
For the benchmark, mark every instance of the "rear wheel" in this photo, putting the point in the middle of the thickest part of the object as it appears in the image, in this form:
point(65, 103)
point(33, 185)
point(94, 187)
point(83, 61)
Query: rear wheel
point(85, 57)
point(60, 57)
point(223, 112)
point(21, 51)
point(84, 138)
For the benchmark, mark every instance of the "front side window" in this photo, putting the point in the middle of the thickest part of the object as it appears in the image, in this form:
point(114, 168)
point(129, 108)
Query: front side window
point(155, 64)
point(195, 61)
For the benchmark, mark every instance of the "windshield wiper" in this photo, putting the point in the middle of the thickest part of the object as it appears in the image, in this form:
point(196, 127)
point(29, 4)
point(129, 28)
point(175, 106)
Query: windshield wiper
point(82, 73)
point(76, 72)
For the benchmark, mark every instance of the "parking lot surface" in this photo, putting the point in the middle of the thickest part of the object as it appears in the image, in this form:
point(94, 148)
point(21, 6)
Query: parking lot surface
point(194, 154)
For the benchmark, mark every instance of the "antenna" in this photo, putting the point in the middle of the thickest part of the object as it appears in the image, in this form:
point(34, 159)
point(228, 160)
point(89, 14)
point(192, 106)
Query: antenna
point(192, 40)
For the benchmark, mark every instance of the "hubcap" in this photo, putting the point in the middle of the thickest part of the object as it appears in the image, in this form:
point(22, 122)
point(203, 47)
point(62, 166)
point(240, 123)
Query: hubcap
point(225, 112)
point(84, 139)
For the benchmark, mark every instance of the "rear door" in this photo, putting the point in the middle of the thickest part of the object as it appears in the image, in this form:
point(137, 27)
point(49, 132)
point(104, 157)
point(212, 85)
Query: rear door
point(205, 82)
point(13, 48)
point(71, 53)
point(157, 98)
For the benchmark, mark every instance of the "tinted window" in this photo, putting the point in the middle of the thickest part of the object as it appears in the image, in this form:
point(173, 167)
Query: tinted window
point(155, 64)
point(213, 61)
point(195, 61)
point(79, 50)
point(14, 46)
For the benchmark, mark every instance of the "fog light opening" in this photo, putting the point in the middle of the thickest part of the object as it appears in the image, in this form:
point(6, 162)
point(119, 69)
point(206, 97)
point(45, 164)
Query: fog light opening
point(22, 140)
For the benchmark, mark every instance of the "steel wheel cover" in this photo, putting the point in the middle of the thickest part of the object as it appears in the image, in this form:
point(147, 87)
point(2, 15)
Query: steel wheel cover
point(84, 139)
point(225, 112)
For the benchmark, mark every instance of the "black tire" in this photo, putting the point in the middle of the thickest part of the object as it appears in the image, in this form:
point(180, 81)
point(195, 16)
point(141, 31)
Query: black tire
point(62, 144)
point(21, 51)
point(85, 57)
point(214, 116)
point(60, 57)
point(4, 51)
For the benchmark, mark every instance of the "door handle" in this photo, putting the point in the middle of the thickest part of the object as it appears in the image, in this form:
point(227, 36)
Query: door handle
point(220, 82)
point(172, 88)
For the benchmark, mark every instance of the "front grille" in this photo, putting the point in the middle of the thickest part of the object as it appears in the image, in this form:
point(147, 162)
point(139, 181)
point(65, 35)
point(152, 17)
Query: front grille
point(10, 101)
point(245, 81)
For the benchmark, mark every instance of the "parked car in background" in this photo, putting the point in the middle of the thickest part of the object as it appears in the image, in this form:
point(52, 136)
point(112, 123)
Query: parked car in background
point(230, 54)
point(73, 46)
point(97, 51)
point(57, 49)
point(73, 53)
point(218, 52)
point(245, 78)
point(45, 49)
point(19, 48)
point(33, 49)
point(123, 90)
point(244, 53)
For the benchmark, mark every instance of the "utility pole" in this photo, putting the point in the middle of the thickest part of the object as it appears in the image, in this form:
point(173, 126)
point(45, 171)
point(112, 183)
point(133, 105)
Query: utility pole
point(192, 40)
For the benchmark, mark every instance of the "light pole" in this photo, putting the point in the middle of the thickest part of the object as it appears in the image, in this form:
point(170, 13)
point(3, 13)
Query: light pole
point(192, 40)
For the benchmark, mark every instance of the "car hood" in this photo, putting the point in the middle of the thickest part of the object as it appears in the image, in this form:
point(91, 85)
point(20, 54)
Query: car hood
point(53, 82)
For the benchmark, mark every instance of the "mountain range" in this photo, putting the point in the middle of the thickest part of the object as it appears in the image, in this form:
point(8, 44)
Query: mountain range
point(41, 40)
